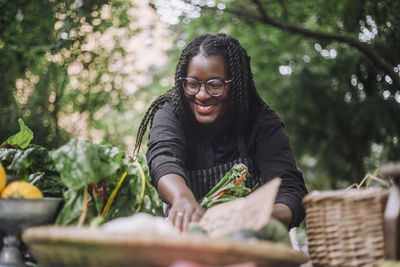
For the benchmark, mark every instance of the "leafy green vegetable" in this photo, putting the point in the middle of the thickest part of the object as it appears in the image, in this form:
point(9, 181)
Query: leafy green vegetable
point(21, 139)
point(32, 159)
point(34, 165)
point(196, 229)
point(273, 231)
point(231, 186)
point(96, 170)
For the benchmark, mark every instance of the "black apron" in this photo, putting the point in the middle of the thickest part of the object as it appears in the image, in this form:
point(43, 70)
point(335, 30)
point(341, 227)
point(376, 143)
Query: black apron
point(202, 181)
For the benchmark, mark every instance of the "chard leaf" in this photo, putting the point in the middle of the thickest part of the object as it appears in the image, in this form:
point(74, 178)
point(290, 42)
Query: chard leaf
point(48, 182)
point(72, 208)
point(79, 162)
point(32, 159)
point(21, 139)
point(7, 154)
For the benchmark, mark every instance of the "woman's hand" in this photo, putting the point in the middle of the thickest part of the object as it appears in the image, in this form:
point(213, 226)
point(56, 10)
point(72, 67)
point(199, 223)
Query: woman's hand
point(184, 207)
point(184, 211)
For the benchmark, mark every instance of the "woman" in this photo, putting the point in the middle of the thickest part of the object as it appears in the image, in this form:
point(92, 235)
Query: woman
point(212, 118)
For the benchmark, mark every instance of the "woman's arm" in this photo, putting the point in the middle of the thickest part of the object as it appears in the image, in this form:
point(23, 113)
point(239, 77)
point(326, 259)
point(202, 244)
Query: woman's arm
point(274, 158)
point(166, 158)
point(184, 207)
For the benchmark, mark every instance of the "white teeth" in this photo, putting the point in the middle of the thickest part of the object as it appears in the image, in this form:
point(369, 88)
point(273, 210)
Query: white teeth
point(203, 107)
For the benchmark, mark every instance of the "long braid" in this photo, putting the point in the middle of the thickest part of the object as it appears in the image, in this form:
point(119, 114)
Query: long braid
point(244, 97)
point(148, 117)
point(239, 99)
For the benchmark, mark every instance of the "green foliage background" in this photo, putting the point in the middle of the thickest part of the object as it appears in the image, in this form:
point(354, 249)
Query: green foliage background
point(340, 105)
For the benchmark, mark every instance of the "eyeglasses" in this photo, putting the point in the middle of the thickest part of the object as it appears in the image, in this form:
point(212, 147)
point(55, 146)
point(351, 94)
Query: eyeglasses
point(214, 87)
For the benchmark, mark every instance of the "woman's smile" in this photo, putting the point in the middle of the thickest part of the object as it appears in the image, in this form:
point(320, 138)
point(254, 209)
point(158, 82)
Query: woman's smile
point(204, 109)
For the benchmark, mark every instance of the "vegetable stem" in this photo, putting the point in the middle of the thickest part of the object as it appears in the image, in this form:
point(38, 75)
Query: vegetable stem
point(242, 176)
point(143, 176)
point(223, 192)
point(113, 194)
point(95, 189)
point(219, 184)
point(103, 190)
point(85, 207)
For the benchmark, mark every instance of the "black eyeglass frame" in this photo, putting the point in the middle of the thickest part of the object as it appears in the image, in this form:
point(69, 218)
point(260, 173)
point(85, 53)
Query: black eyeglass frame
point(225, 82)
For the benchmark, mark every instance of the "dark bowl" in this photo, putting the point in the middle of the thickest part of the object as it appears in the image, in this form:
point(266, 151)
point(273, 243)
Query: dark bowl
point(17, 214)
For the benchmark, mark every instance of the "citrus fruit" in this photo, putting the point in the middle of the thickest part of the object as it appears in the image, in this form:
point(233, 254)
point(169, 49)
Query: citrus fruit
point(21, 189)
point(3, 177)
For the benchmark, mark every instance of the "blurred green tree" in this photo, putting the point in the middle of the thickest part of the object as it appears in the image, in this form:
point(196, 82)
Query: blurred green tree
point(68, 67)
point(32, 85)
point(331, 70)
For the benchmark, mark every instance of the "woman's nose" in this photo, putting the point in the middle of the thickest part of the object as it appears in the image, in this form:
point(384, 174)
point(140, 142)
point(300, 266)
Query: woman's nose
point(202, 92)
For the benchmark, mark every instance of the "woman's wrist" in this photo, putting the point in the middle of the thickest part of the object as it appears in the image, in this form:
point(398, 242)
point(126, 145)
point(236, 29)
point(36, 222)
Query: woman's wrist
point(283, 213)
point(172, 187)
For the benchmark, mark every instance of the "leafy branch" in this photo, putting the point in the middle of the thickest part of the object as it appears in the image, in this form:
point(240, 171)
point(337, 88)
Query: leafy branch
point(368, 51)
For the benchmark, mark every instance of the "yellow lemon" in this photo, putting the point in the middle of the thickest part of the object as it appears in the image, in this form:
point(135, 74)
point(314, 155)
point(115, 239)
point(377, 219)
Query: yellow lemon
point(20, 189)
point(3, 177)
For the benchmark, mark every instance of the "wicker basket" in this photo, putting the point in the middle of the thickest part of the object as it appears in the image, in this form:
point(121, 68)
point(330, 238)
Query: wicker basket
point(345, 228)
point(75, 247)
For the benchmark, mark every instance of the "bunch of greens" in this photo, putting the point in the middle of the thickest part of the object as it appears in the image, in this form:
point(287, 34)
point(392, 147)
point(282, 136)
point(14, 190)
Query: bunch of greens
point(102, 183)
point(230, 187)
point(30, 163)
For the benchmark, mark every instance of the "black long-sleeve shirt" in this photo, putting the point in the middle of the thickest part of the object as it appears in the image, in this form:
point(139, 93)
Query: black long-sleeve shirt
point(175, 148)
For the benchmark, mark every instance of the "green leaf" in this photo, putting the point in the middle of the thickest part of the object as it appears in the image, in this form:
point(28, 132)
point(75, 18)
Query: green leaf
point(72, 208)
point(79, 162)
point(21, 139)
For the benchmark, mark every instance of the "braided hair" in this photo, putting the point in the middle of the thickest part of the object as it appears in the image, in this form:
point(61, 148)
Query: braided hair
point(244, 99)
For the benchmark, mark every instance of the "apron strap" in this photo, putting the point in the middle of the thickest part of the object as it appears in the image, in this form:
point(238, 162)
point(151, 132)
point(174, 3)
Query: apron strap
point(241, 143)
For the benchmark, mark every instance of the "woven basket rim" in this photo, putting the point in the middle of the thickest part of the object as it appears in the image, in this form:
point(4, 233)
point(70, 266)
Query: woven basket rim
point(321, 195)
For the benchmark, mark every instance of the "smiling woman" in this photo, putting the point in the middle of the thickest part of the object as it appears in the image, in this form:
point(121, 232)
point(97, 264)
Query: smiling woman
point(210, 120)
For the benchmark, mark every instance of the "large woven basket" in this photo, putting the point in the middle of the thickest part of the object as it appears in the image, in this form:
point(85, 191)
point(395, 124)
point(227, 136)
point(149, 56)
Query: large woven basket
point(345, 228)
point(74, 247)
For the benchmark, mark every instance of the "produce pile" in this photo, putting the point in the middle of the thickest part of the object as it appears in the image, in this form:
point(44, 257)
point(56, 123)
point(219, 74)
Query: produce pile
point(98, 182)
